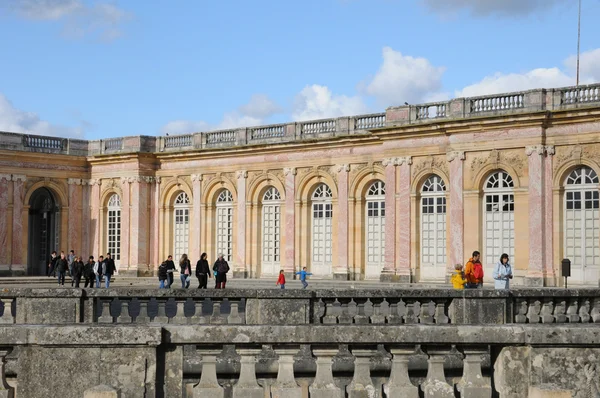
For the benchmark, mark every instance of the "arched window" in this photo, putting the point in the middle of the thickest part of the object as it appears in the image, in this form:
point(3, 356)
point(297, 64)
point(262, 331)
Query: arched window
point(433, 228)
point(582, 231)
point(375, 230)
point(114, 227)
point(271, 231)
point(322, 209)
point(225, 225)
point(499, 202)
point(181, 225)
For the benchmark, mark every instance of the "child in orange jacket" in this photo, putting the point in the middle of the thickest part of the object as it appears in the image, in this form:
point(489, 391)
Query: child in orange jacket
point(458, 279)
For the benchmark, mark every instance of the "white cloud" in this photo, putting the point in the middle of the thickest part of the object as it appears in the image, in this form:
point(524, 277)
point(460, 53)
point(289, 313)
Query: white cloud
point(101, 19)
point(260, 106)
point(18, 121)
point(402, 78)
point(589, 66)
point(318, 102)
point(509, 8)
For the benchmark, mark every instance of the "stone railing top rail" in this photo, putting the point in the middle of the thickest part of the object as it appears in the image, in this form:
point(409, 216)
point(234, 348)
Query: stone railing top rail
point(459, 108)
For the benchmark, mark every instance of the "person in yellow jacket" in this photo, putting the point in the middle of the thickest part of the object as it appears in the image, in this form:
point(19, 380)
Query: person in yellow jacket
point(458, 278)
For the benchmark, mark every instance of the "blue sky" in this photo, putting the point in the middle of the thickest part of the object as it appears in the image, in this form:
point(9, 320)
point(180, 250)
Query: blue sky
point(99, 69)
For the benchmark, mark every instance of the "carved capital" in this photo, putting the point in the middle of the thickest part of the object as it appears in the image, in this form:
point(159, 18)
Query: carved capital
point(6, 177)
point(19, 177)
point(407, 160)
point(289, 170)
point(197, 177)
point(550, 150)
point(530, 150)
point(460, 155)
point(157, 180)
point(241, 174)
point(74, 181)
point(125, 180)
point(343, 168)
point(389, 162)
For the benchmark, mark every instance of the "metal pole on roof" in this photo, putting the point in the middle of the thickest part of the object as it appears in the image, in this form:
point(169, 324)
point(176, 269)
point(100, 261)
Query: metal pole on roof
point(578, 40)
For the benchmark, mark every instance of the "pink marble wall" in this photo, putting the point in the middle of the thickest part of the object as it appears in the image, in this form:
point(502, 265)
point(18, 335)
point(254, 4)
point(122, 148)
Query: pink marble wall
point(19, 242)
point(536, 212)
point(197, 217)
point(548, 212)
point(240, 242)
point(403, 243)
point(85, 221)
point(95, 227)
point(155, 238)
point(74, 225)
point(341, 263)
point(139, 221)
point(456, 205)
point(4, 254)
point(390, 216)
point(125, 225)
point(290, 220)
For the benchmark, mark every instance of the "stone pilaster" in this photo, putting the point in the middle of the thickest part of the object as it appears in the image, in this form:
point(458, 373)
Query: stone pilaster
point(209, 386)
point(535, 271)
point(86, 246)
point(457, 227)
point(95, 218)
point(75, 204)
point(195, 241)
point(5, 390)
point(5, 255)
point(362, 385)
point(123, 264)
point(399, 384)
point(403, 245)
point(324, 386)
point(289, 252)
point(247, 386)
point(550, 275)
point(389, 268)
point(286, 386)
point(472, 384)
point(139, 227)
point(239, 269)
point(19, 238)
point(340, 270)
point(155, 232)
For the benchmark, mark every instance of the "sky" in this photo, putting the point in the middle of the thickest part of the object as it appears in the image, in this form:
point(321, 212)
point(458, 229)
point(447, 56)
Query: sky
point(96, 69)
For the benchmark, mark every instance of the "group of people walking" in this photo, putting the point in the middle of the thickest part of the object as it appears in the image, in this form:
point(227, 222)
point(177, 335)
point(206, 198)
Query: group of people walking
point(472, 275)
point(92, 271)
point(203, 272)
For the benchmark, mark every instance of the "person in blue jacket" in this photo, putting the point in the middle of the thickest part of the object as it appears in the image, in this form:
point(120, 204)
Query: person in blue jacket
point(303, 274)
point(502, 273)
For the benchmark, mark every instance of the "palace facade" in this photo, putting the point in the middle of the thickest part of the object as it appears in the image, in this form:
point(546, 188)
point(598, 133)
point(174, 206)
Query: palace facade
point(398, 196)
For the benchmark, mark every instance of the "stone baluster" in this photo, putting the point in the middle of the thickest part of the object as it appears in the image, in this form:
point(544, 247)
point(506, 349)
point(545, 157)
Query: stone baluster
point(595, 314)
point(440, 311)
point(209, 386)
point(124, 316)
point(572, 313)
point(362, 385)
point(198, 317)
point(324, 386)
point(521, 308)
point(533, 312)
point(584, 310)
point(399, 384)
point(546, 313)
point(393, 317)
point(5, 390)
point(179, 318)
point(410, 315)
point(560, 309)
point(247, 386)
point(330, 318)
point(377, 316)
point(7, 316)
point(234, 317)
point(216, 317)
point(360, 318)
point(143, 315)
point(425, 315)
point(286, 386)
point(472, 384)
point(435, 384)
point(161, 312)
point(106, 317)
point(344, 317)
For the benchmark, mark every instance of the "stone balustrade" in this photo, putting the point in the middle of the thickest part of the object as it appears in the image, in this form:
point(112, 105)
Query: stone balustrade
point(460, 108)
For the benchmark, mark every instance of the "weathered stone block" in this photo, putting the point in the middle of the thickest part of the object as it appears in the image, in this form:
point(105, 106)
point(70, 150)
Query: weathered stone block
point(548, 391)
point(511, 374)
point(277, 311)
point(479, 311)
point(102, 391)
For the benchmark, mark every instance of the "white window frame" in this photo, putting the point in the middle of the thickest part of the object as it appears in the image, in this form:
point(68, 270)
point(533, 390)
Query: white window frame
point(375, 230)
point(500, 220)
point(583, 225)
point(113, 227)
point(322, 231)
point(224, 225)
point(433, 214)
point(271, 232)
point(181, 225)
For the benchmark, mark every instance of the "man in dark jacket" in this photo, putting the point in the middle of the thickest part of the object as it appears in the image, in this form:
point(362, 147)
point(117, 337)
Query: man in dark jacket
point(77, 270)
point(51, 271)
point(61, 268)
point(108, 269)
point(202, 271)
point(88, 272)
point(162, 276)
point(170, 269)
point(222, 269)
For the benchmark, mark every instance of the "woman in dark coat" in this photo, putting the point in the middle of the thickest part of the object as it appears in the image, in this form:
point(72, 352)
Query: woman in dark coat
point(186, 271)
point(202, 272)
point(222, 269)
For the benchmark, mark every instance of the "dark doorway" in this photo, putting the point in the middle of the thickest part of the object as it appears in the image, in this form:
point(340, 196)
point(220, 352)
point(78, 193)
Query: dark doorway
point(43, 230)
